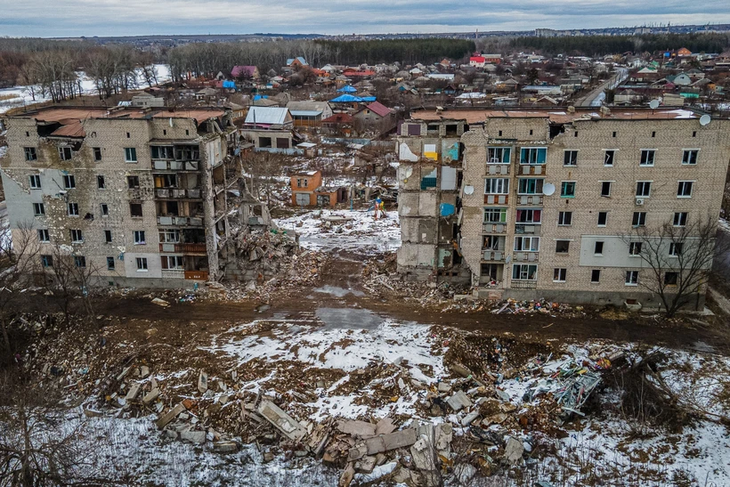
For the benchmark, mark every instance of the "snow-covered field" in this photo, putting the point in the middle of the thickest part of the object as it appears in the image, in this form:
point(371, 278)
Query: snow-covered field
point(18, 96)
point(354, 231)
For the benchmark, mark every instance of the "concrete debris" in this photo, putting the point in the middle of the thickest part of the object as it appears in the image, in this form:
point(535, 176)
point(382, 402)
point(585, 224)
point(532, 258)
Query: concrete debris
point(391, 441)
point(385, 426)
point(347, 475)
point(358, 429)
point(365, 465)
point(464, 473)
point(165, 419)
point(283, 422)
point(151, 396)
point(133, 392)
point(225, 446)
point(202, 382)
point(377, 473)
point(513, 451)
point(197, 437)
point(459, 401)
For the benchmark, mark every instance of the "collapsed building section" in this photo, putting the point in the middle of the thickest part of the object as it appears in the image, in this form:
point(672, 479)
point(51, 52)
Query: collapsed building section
point(553, 203)
point(147, 197)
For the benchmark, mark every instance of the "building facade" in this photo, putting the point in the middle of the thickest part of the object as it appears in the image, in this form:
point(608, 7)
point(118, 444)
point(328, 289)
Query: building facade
point(147, 197)
point(546, 201)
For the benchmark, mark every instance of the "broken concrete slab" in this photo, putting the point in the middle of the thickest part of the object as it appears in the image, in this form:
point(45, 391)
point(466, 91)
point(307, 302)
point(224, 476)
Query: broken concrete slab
point(123, 374)
point(197, 437)
point(225, 446)
point(399, 439)
point(133, 392)
point(464, 473)
point(365, 465)
point(444, 435)
point(513, 451)
point(502, 395)
point(385, 426)
point(470, 418)
point(144, 371)
point(202, 382)
point(444, 387)
point(423, 457)
point(358, 429)
point(169, 416)
point(459, 401)
point(151, 396)
point(460, 370)
point(289, 426)
point(347, 475)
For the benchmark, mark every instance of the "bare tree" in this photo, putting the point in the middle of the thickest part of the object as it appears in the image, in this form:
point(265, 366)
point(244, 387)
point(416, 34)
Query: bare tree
point(71, 277)
point(263, 169)
point(677, 257)
point(18, 260)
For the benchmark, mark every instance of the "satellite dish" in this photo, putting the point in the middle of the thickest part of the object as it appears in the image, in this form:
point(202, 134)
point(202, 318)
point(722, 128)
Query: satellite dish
point(654, 104)
point(468, 189)
point(407, 172)
point(705, 119)
point(548, 189)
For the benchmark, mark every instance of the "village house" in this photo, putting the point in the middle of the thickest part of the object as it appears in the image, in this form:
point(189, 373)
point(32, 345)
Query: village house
point(269, 129)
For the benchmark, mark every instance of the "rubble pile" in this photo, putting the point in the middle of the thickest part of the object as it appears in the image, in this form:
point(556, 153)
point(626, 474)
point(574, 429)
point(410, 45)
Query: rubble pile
point(512, 306)
point(265, 250)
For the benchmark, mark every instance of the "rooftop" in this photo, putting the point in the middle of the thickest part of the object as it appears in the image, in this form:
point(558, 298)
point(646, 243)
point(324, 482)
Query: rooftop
point(59, 114)
point(560, 116)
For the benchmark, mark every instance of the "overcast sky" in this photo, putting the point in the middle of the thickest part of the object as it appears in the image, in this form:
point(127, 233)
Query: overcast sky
point(48, 18)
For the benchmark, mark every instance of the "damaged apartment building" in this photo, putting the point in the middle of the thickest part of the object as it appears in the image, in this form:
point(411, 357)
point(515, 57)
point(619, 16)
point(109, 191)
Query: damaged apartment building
point(539, 203)
point(146, 196)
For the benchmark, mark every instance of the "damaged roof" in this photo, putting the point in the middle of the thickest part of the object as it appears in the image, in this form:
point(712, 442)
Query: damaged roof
point(59, 114)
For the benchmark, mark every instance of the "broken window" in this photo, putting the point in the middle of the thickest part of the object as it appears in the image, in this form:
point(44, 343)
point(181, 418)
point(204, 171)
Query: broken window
point(562, 246)
point(133, 182)
point(635, 248)
point(606, 189)
point(524, 272)
point(265, 142)
point(598, 248)
point(675, 249)
point(166, 181)
point(608, 157)
point(429, 180)
point(452, 129)
point(135, 210)
point(76, 236)
point(100, 182)
point(73, 209)
point(64, 153)
point(632, 278)
point(97, 154)
point(595, 275)
point(39, 209)
point(282, 143)
point(493, 242)
point(30, 154)
point(448, 178)
point(567, 189)
point(170, 236)
point(671, 278)
point(570, 158)
point(172, 262)
point(47, 260)
point(110, 263)
point(187, 153)
point(43, 235)
point(162, 152)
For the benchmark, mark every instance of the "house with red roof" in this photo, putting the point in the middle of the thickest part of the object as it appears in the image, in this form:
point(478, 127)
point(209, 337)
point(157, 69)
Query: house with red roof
point(375, 114)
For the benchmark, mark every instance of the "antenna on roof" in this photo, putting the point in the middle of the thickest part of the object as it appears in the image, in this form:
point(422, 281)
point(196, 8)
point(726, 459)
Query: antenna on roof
point(705, 119)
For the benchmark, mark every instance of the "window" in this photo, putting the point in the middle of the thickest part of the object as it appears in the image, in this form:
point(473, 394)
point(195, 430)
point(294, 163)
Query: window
point(170, 236)
point(30, 154)
point(565, 218)
point(602, 218)
point(264, 142)
point(130, 154)
point(527, 244)
point(647, 157)
point(562, 246)
point(141, 264)
point(529, 186)
point(64, 153)
point(493, 242)
point(498, 155)
point(632, 278)
point(107, 236)
point(495, 215)
point(104, 209)
point(606, 189)
point(635, 248)
point(559, 274)
point(570, 158)
point(139, 237)
point(73, 209)
point(76, 236)
point(303, 183)
point(670, 278)
point(500, 133)
point(643, 189)
point(653, 134)
point(598, 248)
point(524, 272)
point(613, 134)
point(567, 189)
point(529, 216)
point(675, 249)
point(97, 154)
point(43, 235)
point(39, 209)
point(110, 263)
point(162, 152)
point(35, 181)
point(47, 260)
point(174, 262)
point(680, 219)
point(689, 157)
point(100, 182)
point(80, 261)
point(596, 275)
point(69, 181)
point(133, 182)
point(639, 219)
point(496, 186)
point(533, 155)
point(694, 133)
point(684, 189)
point(128, 135)
point(609, 157)
point(135, 210)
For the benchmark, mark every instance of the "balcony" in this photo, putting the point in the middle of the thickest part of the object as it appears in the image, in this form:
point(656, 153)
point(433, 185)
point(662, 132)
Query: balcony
point(526, 256)
point(532, 169)
point(523, 284)
point(496, 169)
point(529, 199)
point(173, 273)
point(183, 248)
point(196, 275)
point(493, 255)
point(527, 229)
point(162, 165)
point(180, 221)
point(494, 228)
point(496, 199)
point(177, 193)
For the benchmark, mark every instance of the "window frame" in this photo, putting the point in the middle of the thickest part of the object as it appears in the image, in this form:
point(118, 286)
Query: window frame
point(130, 155)
point(108, 236)
point(682, 184)
point(526, 272)
point(635, 249)
point(559, 272)
point(642, 219)
point(131, 179)
point(529, 150)
point(563, 188)
point(65, 153)
point(594, 280)
point(631, 278)
point(530, 240)
point(502, 216)
point(97, 154)
point(644, 186)
point(76, 235)
point(39, 209)
point(685, 161)
point(595, 247)
point(501, 150)
point(504, 183)
point(139, 237)
point(100, 181)
point(69, 181)
point(71, 208)
point(605, 219)
point(645, 163)
point(111, 264)
point(562, 215)
point(43, 235)
point(46, 261)
point(537, 182)
point(570, 158)
point(681, 215)
point(80, 261)
point(675, 249)
point(613, 157)
point(603, 185)
point(31, 153)
point(142, 264)
point(560, 241)
point(33, 179)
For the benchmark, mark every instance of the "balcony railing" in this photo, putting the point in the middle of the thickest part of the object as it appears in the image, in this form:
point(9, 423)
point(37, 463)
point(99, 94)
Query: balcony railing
point(494, 228)
point(523, 284)
point(529, 199)
point(536, 169)
point(179, 220)
point(183, 248)
point(173, 273)
point(162, 165)
point(526, 256)
point(494, 169)
point(496, 199)
point(493, 255)
point(196, 275)
point(177, 193)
